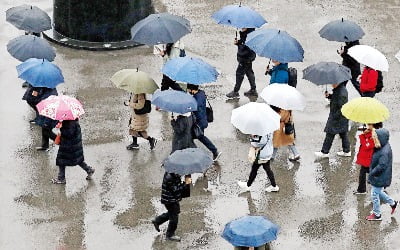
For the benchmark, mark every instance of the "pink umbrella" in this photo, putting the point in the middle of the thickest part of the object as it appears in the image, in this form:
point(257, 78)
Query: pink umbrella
point(60, 108)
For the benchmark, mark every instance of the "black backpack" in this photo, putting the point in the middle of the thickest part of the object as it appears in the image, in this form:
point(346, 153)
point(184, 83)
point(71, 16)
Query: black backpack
point(379, 83)
point(292, 73)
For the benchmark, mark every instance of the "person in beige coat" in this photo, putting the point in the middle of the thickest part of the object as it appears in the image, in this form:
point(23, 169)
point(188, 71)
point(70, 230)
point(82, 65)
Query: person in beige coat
point(280, 139)
point(139, 123)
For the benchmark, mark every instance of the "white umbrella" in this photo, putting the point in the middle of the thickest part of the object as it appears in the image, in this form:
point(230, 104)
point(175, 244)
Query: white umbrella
point(398, 55)
point(369, 56)
point(255, 119)
point(283, 96)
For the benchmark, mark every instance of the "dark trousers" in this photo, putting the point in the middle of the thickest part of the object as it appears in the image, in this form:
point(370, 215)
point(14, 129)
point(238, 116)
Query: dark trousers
point(368, 94)
point(172, 215)
point(356, 85)
point(254, 170)
point(204, 139)
point(47, 134)
point(167, 83)
point(329, 140)
point(362, 180)
point(61, 170)
point(245, 69)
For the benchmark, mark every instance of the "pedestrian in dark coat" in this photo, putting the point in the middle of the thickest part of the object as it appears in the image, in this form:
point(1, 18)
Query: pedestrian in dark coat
point(70, 152)
point(245, 56)
point(171, 195)
point(351, 63)
point(182, 136)
point(337, 123)
point(380, 175)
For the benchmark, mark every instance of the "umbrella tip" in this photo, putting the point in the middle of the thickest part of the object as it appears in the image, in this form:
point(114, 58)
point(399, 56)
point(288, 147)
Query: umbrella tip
point(137, 69)
point(31, 7)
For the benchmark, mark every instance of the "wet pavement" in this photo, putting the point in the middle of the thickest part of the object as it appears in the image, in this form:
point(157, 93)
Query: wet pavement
point(315, 207)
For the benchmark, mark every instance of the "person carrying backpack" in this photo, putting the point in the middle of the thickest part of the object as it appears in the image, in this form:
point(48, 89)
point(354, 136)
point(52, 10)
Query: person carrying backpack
point(368, 82)
point(279, 72)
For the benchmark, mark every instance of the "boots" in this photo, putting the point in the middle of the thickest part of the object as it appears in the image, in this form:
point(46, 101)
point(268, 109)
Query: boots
point(152, 142)
point(134, 144)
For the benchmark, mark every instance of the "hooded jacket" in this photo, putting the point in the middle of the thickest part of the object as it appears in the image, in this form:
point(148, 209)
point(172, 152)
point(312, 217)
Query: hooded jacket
point(279, 73)
point(337, 123)
point(380, 174)
point(244, 53)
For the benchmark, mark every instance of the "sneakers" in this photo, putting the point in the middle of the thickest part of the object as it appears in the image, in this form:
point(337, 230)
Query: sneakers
point(394, 207)
point(42, 148)
point(174, 238)
point(294, 158)
point(358, 193)
point(272, 189)
point(319, 154)
point(152, 142)
point(132, 146)
point(89, 174)
point(341, 153)
point(32, 121)
point(251, 92)
point(232, 95)
point(156, 226)
point(216, 156)
point(243, 186)
point(373, 217)
point(57, 181)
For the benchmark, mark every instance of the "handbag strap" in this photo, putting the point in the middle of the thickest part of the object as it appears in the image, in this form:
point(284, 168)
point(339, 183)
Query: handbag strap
point(209, 104)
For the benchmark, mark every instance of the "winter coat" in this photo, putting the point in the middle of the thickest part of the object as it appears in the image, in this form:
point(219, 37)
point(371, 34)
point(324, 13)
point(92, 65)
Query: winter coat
point(175, 51)
point(337, 123)
point(380, 172)
point(42, 93)
point(182, 137)
point(138, 122)
point(350, 62)
point(43, 121)
point(70, 152)
point(369, 79)
point(171, 189)
point(265, 143)
point(280, 138)
point(244, 53)
point(201, 114)
point(366, 149)
point(279, 73)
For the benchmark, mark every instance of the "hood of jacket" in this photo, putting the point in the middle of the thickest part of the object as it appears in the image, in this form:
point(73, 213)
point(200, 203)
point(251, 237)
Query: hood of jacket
point(383, 136)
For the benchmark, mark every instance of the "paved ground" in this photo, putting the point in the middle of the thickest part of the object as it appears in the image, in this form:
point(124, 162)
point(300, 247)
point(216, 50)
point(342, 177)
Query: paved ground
point(315, 208)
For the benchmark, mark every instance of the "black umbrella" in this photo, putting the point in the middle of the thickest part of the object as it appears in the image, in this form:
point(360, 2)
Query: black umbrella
point(188, 161)
point(341, 31)
point(29, 46)
point(28, 18)
point(324, 73)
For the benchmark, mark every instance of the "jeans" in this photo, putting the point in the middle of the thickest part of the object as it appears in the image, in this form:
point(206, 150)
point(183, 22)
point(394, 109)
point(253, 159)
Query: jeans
point(362, 180)
point(376, 195)
point(254, 170)
point(245, 69)
point(204, 139)
point(292, 149)
point(329, 140)
point(47, 134)
point(172, 214)
point(61, 170)
point(167, 83)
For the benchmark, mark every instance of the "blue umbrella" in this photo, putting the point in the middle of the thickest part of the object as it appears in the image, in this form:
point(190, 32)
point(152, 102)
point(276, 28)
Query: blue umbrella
point(29, 18)
point(40, 73)
point(190, 70)
point(239, 16)
point(174, 101)
point(29, 46)
point(341, 31)
point(275, 44)
point(160, 29)
point(188, 161)
point(250, 231)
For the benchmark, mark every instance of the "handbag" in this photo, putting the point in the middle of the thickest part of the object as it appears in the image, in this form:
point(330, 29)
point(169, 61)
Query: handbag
point(57, 141)
point(209, 113)
point(185, 192)
point(289, 128)
point(146, 108)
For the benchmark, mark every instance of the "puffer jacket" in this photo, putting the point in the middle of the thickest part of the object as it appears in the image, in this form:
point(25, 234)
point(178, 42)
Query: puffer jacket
point(279, 73)
point(380, 173)
point(70, 152)
point(171, 189)
point(138, 122)
point(265, 142)
point(337, 123)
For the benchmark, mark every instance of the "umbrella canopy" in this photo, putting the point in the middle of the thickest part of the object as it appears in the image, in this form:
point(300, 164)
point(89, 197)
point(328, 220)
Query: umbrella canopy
point(60, 108)
point(29, 46)
point(29, 18)
point(255, 119)
point(283, 96)
point(190, 70)
point(133, 80)
point(365, 110)
point(40, 73)
point(174, 101)
point(341, 31)
point(239, 16)
point(160, 29)
point(188, 161)
point(275, 44)
point(369, 56)
point(250, 231)
point(324, 73)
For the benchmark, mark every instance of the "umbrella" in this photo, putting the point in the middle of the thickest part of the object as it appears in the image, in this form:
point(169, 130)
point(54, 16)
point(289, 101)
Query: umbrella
point(60, 108)
point(239, 16)
point(28, 18)
point(398, 55)
point(324, 73)
point(188, 161)
point(160, 29)
point(190, 70)
point(341, 31)
point(29, 46)
point(283, 96)
point(255, 119)
point(369, 56)
point(365, 110)
point(250, 231)
point(174, 101)
point(275, 44)
point(135, 81)
point(40, 73)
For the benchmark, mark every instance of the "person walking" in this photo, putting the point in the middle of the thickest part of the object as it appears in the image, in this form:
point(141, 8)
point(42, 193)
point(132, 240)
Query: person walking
point(245, 56)
point(172, 50)
point(171, 195)
point(139, 123)
point(70, 152)
point(351, 63)
point(380, 175)
point(337, 123)
point(260, 154)
point(201, 118)
point(368, 81)
point(279, 72)
point(182, 131)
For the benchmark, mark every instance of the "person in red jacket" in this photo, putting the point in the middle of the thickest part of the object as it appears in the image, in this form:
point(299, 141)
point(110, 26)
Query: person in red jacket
point(368, 81)
point(368, 142)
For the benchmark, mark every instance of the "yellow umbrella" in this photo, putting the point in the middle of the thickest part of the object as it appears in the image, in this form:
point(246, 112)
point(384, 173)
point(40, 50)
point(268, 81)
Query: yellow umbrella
point(135, 81)
point(365, 110)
